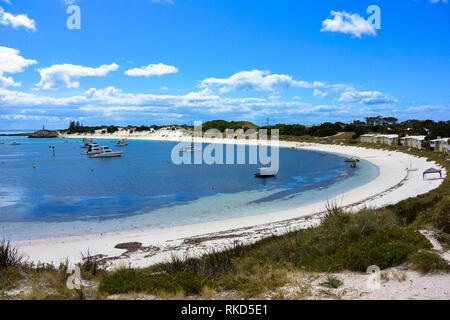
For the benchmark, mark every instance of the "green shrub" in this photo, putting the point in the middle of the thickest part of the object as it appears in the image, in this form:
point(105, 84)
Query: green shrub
point(131, 280)
point(384, 248)
point(9, 278)
point(9, 255)
point(427, 261)
point(442, 216)
point(444, 239)
point(112, 129)
point(408, 210)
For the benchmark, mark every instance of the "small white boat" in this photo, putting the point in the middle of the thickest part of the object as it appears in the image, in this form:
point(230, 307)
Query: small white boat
point(122, 143)
point(266, 173)
point(106, 152)
point(87, 143)
point(15, 143)
point(93, 148)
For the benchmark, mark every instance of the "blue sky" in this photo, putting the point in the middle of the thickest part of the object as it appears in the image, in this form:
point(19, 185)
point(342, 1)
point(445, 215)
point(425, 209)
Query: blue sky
point(171, 62)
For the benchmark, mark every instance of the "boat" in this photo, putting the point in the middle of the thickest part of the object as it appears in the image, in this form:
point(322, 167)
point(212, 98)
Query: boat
point(351, 160)
point(122, 143)
point(266, 173)
point(2, 142)
point(93, 148)
point(87, 143)
point(106, 152)
point(15, 143)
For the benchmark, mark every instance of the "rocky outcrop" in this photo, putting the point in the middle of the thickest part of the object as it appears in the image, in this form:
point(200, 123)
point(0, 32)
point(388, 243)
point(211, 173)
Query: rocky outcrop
point(44, 134)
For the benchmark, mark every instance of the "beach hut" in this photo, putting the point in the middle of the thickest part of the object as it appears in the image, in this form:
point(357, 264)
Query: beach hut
point(412, 141)
point(432, 170)
point(439, 144)
point(366, 138)
point(390, 139)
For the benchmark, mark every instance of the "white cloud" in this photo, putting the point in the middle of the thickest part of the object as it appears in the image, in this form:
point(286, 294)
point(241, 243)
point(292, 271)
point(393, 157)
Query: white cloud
point(319, 94)
point(67, 75)
point(12, 62)
point(16, 21)
point(257, 80)
point(366, 97)
point(152, 70)
point(348, 23)
point(163, 1)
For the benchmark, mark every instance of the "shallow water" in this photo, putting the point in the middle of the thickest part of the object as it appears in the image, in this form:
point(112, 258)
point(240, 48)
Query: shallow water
point(70, 194)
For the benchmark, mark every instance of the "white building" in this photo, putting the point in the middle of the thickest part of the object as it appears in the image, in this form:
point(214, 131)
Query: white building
point(412, 141)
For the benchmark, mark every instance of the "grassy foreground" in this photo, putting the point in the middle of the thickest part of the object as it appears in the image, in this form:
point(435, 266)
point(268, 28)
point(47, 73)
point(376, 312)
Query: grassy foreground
point(384, 237)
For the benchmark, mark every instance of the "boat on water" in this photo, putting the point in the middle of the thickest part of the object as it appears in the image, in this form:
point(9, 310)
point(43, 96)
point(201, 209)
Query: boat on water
point(2, 142)
point(266, 173)
point(93, 148)
point(15, 143)
point(122, 143)
point(87, 142)
point(106, 152)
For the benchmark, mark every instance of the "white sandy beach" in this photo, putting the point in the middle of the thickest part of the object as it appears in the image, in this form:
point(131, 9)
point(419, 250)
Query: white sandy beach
point(393, 184)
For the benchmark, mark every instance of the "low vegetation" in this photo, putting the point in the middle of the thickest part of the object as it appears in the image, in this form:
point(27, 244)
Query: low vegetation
point(427, 261)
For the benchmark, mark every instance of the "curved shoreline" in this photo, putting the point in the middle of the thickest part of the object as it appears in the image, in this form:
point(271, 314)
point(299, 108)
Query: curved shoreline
point(393, 184)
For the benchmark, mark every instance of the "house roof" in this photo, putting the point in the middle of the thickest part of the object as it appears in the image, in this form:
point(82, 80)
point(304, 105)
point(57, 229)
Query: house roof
point(440, 139)
point(414, 137)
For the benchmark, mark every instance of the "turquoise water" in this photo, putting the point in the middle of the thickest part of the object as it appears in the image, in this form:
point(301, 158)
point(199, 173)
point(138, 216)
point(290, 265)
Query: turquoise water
point(69, 194)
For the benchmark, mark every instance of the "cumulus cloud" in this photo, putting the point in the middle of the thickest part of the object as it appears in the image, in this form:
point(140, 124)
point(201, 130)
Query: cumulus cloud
point(152, 70)
point(12, 62)
point(348, 23)
point(256, 80)
point(16, 21)
point(366, 97)
point(319, 94)
point(67, 75)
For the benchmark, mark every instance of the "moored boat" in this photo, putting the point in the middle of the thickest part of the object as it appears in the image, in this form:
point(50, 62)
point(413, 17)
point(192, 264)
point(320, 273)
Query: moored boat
point(87, 142)
point(106, 152)
point(122, 143)
point(93, 148)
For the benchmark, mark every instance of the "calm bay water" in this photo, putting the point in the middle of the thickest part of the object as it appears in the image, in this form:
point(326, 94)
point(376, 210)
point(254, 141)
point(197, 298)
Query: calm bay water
point(70, 194)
